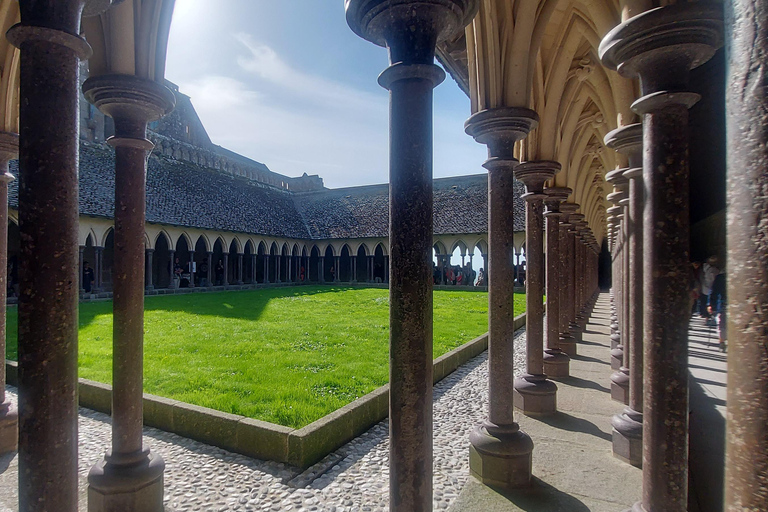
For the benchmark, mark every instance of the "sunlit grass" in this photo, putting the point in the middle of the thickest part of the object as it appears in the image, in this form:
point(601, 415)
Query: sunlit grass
point(284, 355)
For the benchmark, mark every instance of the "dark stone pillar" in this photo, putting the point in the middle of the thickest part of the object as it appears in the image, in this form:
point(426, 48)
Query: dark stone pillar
point(9, 416)
point(628, 426)
point(225, 278)
point(567, 341)
point(500, 453)
point(172, 262)
point(191, 274)
point(386, 269)
point(253, 269)
point(321, 268)
point(353, 268)
point(48, 223)
point(336, 276)
point(660, 46)
point(576, 220)
point(239, 268)
point(129, 477)
point(534, 393)
point(148, 271)
point(98, 253)
point(266, 268)
point(620, 355)
point(209, 276)
point(278, 270)
point(556, 361)
point(369, 268)
point(410, 30)
point(746, 466)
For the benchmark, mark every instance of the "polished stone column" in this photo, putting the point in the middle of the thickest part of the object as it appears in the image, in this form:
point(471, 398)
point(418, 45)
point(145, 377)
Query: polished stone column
point(266, 268)
point(746, 465)
point(98, 253)
point(148, 271)
point(617, 349)
point(660, 46)
point(50, 54)
point(566, 342)
point(534, 393)
point(209, 275)
point(80, 265)
point(129, 477)
point(627, 430)
point(500, 453)
point(556, 361)
point(225, 277)
point(574, 325)
point(9, 416)
point(410, 30)
point(191, 274)
point(620, 354)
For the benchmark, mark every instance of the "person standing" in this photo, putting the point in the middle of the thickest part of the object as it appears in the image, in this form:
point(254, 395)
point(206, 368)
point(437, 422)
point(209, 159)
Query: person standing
point(88, 277)
point(717, 303)
point(708, 273)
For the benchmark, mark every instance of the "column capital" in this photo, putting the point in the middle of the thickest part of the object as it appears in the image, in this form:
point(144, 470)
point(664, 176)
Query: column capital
point(534, 174)
point(146, 249)
point(627, 140)
point(499, 129)
point(132, 102)
point(555, 196)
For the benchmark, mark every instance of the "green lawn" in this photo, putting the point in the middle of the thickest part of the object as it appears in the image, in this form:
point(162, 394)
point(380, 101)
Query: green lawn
point(284, 355)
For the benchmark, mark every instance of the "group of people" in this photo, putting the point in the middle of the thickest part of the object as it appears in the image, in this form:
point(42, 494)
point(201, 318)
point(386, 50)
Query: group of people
point(708, 295)
point(455, 275)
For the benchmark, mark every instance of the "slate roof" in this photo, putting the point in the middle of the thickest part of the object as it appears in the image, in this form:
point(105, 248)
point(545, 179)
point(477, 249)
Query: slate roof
point(183, 194)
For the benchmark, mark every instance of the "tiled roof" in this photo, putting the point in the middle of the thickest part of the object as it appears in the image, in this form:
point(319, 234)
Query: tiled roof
point(185, 194)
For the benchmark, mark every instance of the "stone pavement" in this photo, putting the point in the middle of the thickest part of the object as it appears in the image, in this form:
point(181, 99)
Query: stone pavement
point(573, 465)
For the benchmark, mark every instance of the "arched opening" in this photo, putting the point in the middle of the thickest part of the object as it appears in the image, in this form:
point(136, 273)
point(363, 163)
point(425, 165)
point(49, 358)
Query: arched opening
point(345, 265)
point(233, 268)
point(379, 265)
point(219, 266)
point(201, 260)
point(329, 265)
point(480, 275)
point(261, 267)
point(248, 263)
point(161, 262)
point(14, 245)
point(107, 261)
point(284, 266)
point(181, 263)
point(362, 270)
point(303, 275)
point(314, 265)
point(273, 252)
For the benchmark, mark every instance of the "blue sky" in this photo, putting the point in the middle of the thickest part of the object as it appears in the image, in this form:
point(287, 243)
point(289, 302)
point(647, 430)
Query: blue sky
point(287, 83)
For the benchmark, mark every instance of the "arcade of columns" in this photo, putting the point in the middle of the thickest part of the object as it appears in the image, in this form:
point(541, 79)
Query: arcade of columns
point(561, 168)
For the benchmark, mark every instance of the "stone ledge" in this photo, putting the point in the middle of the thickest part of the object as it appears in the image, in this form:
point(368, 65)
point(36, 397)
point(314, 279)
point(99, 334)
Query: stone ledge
point(260, 439)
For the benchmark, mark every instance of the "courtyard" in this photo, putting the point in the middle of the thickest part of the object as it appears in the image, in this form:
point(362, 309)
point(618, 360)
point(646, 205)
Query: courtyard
point(287, 355)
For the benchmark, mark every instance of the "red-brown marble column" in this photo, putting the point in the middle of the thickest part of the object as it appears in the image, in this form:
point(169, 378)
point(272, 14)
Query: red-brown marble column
point(129, 477)
point(660, 47)
point(628, 426)
point(9, 416)
point(556, 361)
point(620, 354)
point(567, 341)
point(576, 221)
point(51, 51)
point(534, 393)
point(410, 30)
point(746, 466)
point(500, 453)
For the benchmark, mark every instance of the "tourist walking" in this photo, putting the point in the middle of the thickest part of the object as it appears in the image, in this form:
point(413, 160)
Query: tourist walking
point(717, 306)
point(708, 273)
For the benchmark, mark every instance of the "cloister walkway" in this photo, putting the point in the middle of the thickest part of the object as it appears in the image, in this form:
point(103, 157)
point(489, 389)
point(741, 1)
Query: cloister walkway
point(573, 465)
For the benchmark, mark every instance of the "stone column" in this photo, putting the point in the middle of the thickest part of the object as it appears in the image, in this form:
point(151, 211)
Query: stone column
point(266, 268)
point(253, 269)
point(353, 268)
point(98, 253)
point(278, 270)
point(191, 274)
point(129, 477)
point(239, 268)
point(556, 361)
point(500, 453)
point(620, 354)
point(386, 269)
point(534, 393)
point(48, 223)
point(172, 255)
point(321, 268)
point(628, 426)
point(9, 416)
point(148, 271)
point(369, 268)
point(336, 276)
point(567, 341)
point(574, 326)
point(209, 275)
point(225, 278)
point(660, 46)
point(485, 265)
point(410, 30)
point(746, 466)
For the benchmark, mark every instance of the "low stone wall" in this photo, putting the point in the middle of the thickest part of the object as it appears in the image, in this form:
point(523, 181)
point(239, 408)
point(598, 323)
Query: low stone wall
point(260, 439)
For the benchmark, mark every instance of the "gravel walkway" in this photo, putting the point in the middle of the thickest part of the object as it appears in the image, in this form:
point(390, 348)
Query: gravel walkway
point(200, 477)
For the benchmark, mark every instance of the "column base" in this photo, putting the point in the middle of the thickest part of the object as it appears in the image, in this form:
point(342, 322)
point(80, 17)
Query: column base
point(567, 344)
point(557, 364)
point(620, 386)
point(535, 395)
point(617, 357)
point(9, 428)
point(576, 332)
point(627, 436)
point(501, 456)
point(132, 484)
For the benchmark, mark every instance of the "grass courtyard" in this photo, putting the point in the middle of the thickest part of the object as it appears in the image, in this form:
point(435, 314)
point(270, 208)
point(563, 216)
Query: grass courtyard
point(283, 355)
